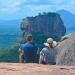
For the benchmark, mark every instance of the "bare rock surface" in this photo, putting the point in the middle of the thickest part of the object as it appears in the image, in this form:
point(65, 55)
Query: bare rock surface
point(35, 69)
point(66, 51)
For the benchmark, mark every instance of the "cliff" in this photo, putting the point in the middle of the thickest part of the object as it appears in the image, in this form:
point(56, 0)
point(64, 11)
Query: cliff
point(48, 24)
point(35, 69)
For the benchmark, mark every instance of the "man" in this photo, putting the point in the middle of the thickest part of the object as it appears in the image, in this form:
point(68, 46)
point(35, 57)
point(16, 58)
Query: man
point(47, 54)
point(28, 51)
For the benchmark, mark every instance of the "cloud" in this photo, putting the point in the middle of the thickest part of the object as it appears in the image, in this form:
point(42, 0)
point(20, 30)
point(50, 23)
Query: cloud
point(9, 3)
point(9, 6)
point(23, 8)
point(9, 10)
point(44, 2)
point(16, 5)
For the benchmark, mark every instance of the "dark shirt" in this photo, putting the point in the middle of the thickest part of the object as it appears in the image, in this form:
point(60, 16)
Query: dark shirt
point(29, 52)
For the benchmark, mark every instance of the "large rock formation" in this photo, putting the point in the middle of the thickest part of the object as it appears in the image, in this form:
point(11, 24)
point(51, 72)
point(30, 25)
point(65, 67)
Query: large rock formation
point(66, 50)
point(49, 24)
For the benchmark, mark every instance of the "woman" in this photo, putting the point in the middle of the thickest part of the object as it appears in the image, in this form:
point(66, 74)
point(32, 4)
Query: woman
point(47, 53)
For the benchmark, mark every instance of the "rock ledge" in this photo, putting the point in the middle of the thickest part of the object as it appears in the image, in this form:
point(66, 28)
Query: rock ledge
point(35, 69)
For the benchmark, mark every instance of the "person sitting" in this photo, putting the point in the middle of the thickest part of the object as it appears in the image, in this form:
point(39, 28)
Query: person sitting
point(47, 55)
point(28, 51)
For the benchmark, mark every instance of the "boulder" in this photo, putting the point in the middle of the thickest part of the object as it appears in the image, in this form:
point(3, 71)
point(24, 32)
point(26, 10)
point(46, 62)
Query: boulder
point(66, 50)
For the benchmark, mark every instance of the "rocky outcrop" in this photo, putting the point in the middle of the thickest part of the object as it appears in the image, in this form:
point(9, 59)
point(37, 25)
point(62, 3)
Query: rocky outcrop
point(66, 50)
point(35, 69)
point(49, 24)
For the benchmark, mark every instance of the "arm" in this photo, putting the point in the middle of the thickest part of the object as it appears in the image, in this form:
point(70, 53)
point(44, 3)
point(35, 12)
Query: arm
point(20, 55)
point(41, 59)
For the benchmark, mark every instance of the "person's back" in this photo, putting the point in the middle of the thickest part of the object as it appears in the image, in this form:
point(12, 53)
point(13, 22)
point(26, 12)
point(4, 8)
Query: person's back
point(47, 54)
point(28, 51)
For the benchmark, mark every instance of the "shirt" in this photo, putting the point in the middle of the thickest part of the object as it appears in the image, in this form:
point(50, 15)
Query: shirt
point(29, 52)
point(48, 55)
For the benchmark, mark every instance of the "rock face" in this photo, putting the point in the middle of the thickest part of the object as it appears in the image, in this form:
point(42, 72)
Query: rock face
point(49, 24)
point(35, 69)
point(66, 49)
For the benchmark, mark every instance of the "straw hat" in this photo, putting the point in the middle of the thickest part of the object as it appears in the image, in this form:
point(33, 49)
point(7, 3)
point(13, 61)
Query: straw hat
point(50, 41)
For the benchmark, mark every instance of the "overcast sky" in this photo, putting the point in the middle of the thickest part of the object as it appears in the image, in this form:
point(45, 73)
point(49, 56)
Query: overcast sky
point(17, 9)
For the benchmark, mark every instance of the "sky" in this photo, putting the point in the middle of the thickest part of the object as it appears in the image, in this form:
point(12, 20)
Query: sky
point(18, 9)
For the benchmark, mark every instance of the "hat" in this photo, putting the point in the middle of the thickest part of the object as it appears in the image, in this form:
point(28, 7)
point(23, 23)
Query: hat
point(50, 41)
point(46, 44)
point(54, 44)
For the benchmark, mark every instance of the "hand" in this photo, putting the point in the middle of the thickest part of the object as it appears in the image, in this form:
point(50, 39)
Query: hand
point(20, 56)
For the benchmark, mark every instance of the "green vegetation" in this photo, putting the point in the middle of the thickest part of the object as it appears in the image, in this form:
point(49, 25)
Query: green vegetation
point(9, 54)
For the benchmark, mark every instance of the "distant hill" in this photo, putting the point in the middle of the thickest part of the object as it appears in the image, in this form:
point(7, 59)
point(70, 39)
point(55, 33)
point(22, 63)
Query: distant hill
point(68, 19)
point(9, 27)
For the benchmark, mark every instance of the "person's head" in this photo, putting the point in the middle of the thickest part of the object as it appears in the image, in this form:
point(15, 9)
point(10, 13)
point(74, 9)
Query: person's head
point(29, 38)
point(50, 41)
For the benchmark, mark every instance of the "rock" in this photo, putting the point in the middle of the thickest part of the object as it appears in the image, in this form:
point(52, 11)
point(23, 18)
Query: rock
point(35, 69)
point(66, 51)
point(48, 24)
